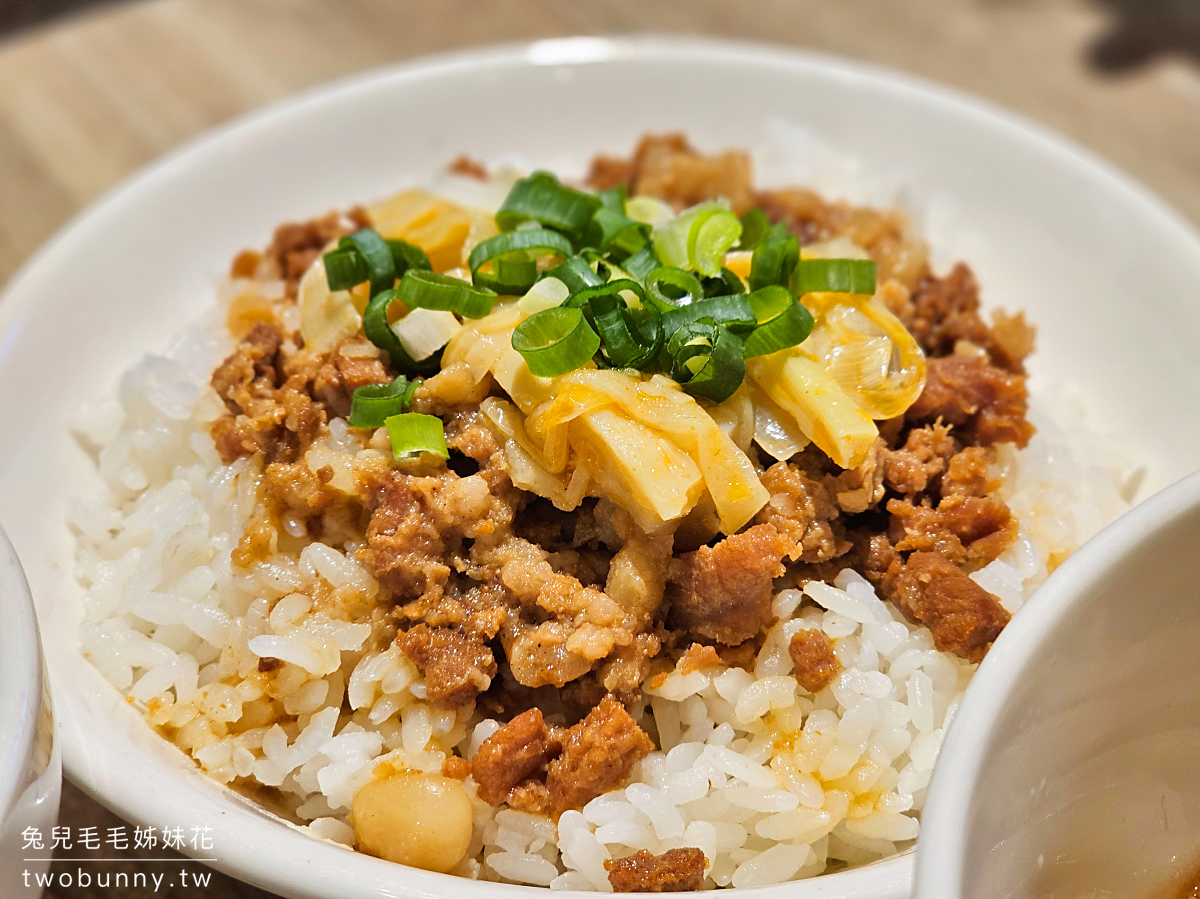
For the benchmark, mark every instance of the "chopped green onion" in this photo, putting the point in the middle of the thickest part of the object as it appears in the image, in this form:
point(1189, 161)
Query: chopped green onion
point(629, 341)
point(516, 271)
point(507, 277)
point(430, 290)
point(410, 392)
point(706, 360)
point(723, 285)
point(541, 198)
point(381, 267)
point(412, 433)
point(693, 341)
point(344, 268)
point(669, 287)
point(835, 276)
point(379, 331)
point(371, 404)
point(350, 265)
point(670, 240)
point(642, 263)
point(538, 241)
point(575, 273)
point(774, 258)
point(650, 210)
point(408, 255)
point(647, 327)
point(604, 268)
point(755, 225)
point(708, 241)
point(555, 341)
point(698, 237)
point(610, 288)
point(621, 347)
point(782, 321)
point(583, 299)
point(611, 230)
point(613, 198)
point(733, 312)
point(617, 233)
point(534, 241)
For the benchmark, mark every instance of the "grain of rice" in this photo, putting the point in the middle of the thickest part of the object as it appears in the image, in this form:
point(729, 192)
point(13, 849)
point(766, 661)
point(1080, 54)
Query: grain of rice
point(752, 769)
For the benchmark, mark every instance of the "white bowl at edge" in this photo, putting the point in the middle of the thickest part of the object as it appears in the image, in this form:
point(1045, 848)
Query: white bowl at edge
point(1106, 271)
point(1070, 769)
point(30, 764)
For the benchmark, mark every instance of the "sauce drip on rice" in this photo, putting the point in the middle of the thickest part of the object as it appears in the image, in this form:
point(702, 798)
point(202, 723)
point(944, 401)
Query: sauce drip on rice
point(628, 536)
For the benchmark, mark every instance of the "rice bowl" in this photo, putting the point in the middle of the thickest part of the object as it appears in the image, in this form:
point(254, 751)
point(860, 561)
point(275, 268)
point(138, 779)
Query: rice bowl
point(360, 870)
point(767, 778)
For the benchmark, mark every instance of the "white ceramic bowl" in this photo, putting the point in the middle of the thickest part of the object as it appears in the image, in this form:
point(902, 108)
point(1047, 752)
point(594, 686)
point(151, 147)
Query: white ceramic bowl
point(1106, 271)
point(1070, 770)
point(30, 766)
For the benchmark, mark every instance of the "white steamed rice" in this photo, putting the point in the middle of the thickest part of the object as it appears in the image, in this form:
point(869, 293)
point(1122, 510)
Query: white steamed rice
point(771, 782)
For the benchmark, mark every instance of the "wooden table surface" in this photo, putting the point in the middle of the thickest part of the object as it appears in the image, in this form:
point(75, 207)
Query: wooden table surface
point(86, 101)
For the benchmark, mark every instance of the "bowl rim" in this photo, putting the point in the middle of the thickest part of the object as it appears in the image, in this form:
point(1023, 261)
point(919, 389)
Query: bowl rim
point(581, 50)
point(941, 858)
point(20, 677)
point(890, 877)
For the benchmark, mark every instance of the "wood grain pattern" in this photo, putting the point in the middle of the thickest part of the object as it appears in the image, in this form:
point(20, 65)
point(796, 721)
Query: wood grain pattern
point(84, 103)
point(87, 101)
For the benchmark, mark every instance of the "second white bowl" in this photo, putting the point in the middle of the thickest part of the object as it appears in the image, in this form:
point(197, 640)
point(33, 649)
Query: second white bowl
point(30, 768)
point(1071, 768)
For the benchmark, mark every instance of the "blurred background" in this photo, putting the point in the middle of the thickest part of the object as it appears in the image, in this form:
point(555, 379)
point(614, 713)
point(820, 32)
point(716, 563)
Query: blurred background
point(90, 90)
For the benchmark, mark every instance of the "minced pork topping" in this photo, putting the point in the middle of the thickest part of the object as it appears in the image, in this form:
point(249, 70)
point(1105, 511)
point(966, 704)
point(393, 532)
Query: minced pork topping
point(493, 590)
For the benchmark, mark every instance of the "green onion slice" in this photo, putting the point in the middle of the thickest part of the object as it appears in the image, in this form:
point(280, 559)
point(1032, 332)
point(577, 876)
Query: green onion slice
point(733, 312)
point(835, 276)
point(698, 237)
point(782, 321)
point(610, 288)
point(669, 287)
point(541, 198)
point(344, 268)
point(642, 263)
point(723, 285)
point(611, 230)
point(576, 274)
point(372, 404)
point(615, 232)
point(621, 347)
point(774, 258)
point(629, 341)
point(670, 240)
point(755, 225)
point(706, 360)
point(555, 341)
point(603, 267)
point(381, 267)
point(534, 241)
point(431, 290)
point(410, 391)
point(408, 255)
point(613, 198)
point(651, 336)
point(517, 272)
point(380, 333)
point(359, 258)
point(708, 241)
point(412, 433)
